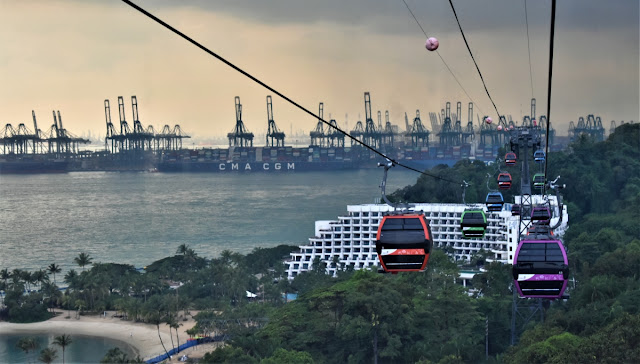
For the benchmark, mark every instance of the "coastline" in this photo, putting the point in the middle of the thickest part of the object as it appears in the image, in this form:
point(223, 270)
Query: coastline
point(141, 337)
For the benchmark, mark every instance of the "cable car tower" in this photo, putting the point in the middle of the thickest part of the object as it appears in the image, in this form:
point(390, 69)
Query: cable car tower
point(272, 130)
point(240, 137)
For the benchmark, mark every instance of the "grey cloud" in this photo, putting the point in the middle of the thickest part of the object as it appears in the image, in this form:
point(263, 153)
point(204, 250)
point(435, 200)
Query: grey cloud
point(388, 16)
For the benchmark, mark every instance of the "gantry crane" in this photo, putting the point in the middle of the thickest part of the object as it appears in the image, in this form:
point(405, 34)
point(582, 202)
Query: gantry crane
point(240, 136)
point(272, 129)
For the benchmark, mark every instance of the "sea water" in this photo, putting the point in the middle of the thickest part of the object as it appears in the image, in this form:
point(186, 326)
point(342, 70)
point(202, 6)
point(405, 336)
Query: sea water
point(138, 218)
point(83, 349)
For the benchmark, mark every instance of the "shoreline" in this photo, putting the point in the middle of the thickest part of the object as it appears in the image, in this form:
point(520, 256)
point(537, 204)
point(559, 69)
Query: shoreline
point(141, 337)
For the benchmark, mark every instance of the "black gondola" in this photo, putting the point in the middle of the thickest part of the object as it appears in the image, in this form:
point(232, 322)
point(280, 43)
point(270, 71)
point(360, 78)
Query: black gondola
point(504, 181)
point(494, 201)
point(540, 268)
point(515, 210)
point(541, 214)
point(473, 223)
point(538, 180)
point(539, 229)
point(510, 159)
point(403, 243)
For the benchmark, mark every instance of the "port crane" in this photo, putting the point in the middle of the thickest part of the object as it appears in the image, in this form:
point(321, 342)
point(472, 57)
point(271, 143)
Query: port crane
point(240, 136)
point(272, 129)
point(419, 134)
point(591, 127)
point(371, 134)
point(317, 135)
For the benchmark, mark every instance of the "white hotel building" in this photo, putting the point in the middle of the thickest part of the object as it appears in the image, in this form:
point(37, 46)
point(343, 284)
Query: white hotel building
point(352, 238)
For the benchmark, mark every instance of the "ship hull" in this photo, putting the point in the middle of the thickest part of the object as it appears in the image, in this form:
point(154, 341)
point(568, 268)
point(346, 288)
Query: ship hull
point(33, 166)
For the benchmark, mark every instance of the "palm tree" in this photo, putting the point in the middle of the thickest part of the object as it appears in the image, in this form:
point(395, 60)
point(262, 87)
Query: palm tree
point(47, 355)
point(53, 269)
point(40, 276)
point(71, 277)
point(176, 325)
point(170, 321)
point(27, 344)
point(155, 318)
point(83, 259)
point(27, 277)
point(4, 275)
point(182, 249)
point(62, 341)
point(115, 355)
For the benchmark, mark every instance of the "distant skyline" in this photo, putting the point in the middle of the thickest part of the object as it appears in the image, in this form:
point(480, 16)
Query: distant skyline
point(71, 55)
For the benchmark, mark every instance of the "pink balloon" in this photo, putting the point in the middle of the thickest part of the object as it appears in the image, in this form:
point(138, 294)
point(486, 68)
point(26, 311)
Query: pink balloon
point(511, 127)
point(488, 120)
point(432, 44)
point(499, 127)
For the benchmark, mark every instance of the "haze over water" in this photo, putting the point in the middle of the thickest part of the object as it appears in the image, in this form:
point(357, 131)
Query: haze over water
point(138, 218)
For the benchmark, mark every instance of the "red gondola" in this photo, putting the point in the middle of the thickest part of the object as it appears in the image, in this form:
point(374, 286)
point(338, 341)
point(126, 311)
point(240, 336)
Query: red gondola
point(403, 243)
point(510, 159)
point(504, 181)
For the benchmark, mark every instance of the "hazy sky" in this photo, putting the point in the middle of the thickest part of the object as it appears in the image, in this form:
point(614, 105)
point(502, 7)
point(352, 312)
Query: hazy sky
point(71, 55)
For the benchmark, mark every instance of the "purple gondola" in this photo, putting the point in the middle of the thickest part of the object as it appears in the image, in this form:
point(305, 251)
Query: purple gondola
point(541, 268)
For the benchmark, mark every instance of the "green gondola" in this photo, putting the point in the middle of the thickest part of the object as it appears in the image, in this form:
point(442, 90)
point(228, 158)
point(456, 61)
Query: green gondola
point(473, 223)
point(538, 180)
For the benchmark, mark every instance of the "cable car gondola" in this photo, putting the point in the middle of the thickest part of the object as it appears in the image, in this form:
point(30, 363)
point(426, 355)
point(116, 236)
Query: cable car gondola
point(504, 181)
point(403, 243)
point(515, 210)
point(539, 156)
point(494, 201)
point(473, 223)
point(540, 268)
point(541, 214)
point(538, 180)
point(510, 159)
point(539, 229)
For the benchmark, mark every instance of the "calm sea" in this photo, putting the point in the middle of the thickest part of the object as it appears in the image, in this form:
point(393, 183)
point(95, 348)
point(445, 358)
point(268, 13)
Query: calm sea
point(83, 349)
point(137, 218)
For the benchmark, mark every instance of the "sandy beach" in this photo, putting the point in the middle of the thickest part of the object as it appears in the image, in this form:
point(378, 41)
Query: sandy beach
point(142, 337)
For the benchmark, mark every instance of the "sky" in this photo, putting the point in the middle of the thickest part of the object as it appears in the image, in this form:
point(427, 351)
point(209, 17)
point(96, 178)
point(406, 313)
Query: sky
point(71, 55)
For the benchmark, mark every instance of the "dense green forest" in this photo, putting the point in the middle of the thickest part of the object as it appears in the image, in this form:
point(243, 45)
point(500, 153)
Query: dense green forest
point(363, 316)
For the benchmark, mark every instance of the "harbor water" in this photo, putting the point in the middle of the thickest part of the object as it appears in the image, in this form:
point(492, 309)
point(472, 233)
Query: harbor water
point(138, 218)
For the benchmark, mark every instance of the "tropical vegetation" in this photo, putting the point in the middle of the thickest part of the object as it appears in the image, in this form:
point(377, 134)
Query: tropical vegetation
point(363, 316)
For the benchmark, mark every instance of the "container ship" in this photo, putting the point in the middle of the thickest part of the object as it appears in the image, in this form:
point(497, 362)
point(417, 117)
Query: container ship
point(32, 164)
point(290, 159)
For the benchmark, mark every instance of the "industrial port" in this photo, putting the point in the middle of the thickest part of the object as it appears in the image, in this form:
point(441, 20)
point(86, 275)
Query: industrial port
point(130, 146)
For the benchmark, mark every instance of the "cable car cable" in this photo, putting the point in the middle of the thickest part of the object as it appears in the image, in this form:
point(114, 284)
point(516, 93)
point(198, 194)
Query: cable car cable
point(552, 33)
point(473, 58)
point(441, 58)
point(526, 19)
point(228, 63)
